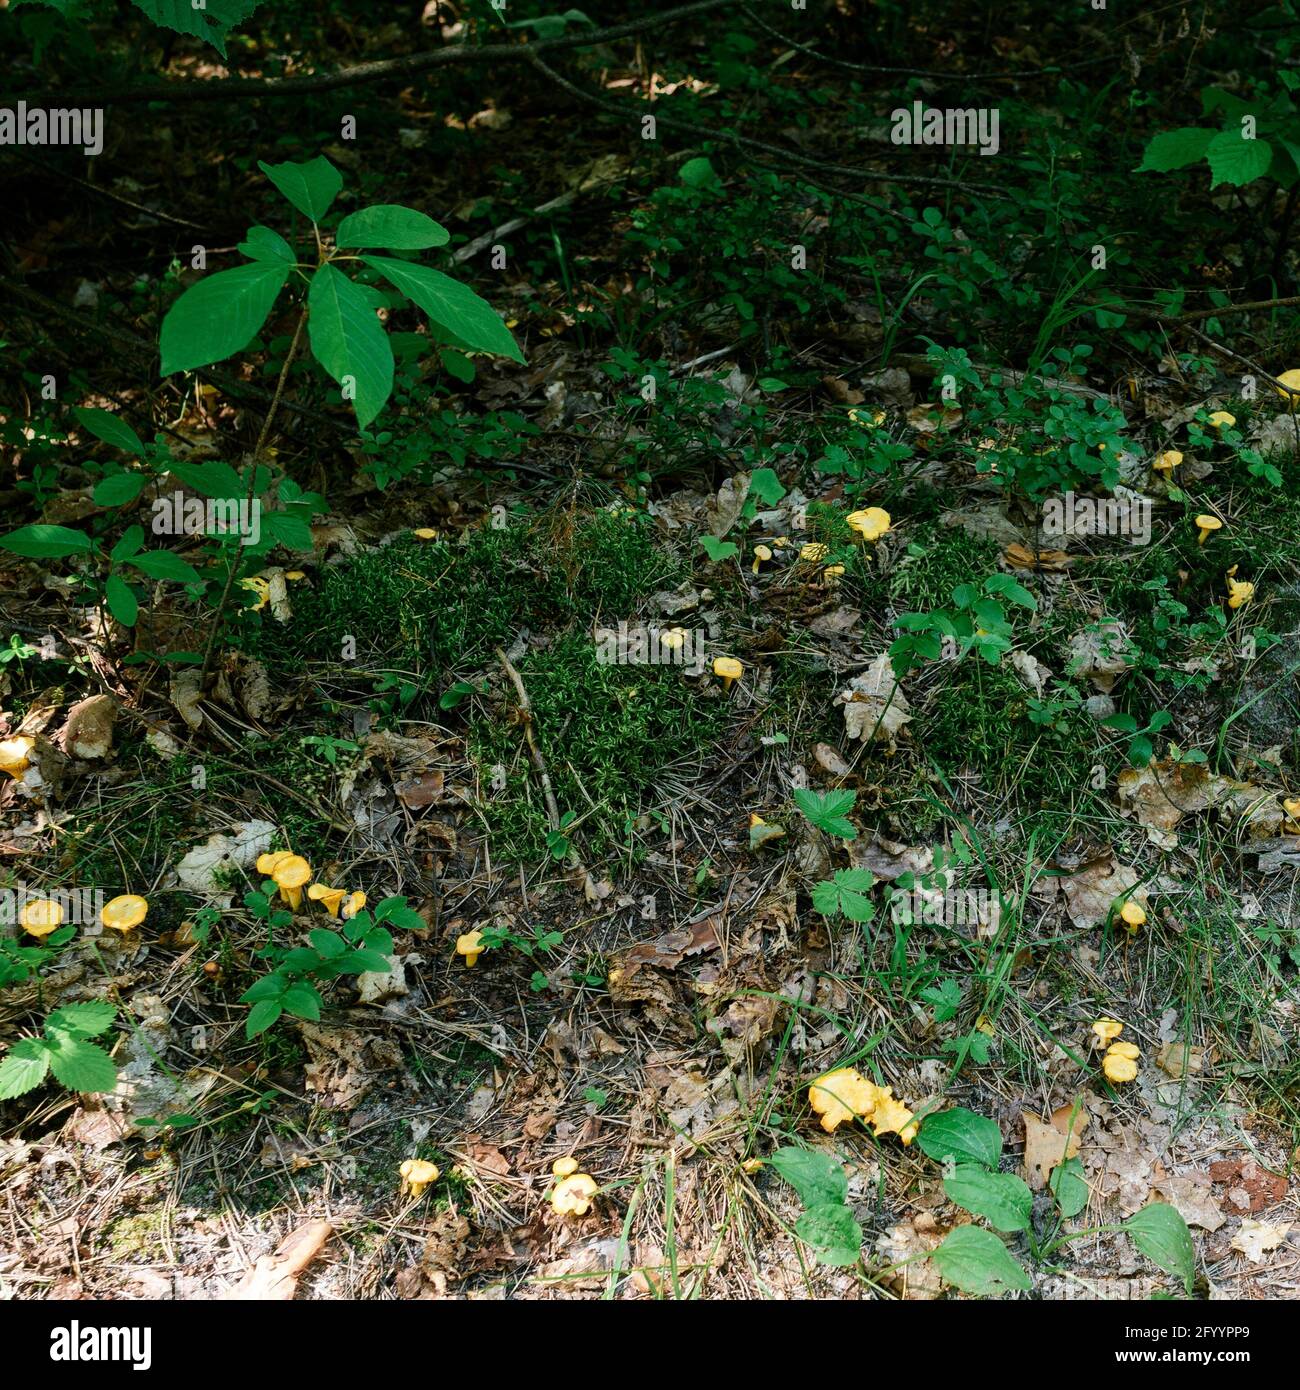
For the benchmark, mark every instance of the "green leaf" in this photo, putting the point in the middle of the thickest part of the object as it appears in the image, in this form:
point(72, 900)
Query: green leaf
point(698, 173)
point(765, 486)
point(128, 543)
point(1236, 160)
point(264, 244)
point(846, 893)
point(391, 228)
point(163, 564)
point(261, 1016)
point(1175, 149)
point(292, 532)
point(213, 479)
point(1069, 1186)
point(45, 542)
point(310, 186)
point(24, 1068)
point(833, 1232)
point(456, 364)
point(348, 340)
point(328, 943)
point(87, 1020)
point(718, 550)
point(117, 489)
point(1004, 1199)
point(122, 603)
point(212, 20)
point(450, 305)
point(828, 811)
point(1161, 1234)
point(268, 987)
point(220, 315)
point(302, 1001)
point(395, 911)
point(103, 424)
point(961, 1136)
point(80, 1065)
point(976, 1261)
point(814, 1175)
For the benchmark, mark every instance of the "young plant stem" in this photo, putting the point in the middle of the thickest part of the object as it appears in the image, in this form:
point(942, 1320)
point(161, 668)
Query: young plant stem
point(252, 492)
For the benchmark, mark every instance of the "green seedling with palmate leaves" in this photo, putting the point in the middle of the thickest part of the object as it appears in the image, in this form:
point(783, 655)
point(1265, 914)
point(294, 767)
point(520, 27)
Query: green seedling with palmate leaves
point(65, 1050)
point(222, 314)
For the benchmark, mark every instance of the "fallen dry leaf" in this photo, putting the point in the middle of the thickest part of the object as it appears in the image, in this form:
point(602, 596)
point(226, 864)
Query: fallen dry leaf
point(1046, 1145)
point(1257, 1238)
point(275, 1277)
point(874, 705)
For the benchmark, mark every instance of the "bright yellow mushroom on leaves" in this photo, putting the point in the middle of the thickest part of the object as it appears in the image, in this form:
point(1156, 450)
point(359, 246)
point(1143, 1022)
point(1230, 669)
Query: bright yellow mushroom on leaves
point(1222, 420)
point(1240, 591)
point(425, 533)
point(729, 669)
point(573, 1195)
point(125, 912)
point(832, 575)
point(266, 862)
point(870, 523)
point(353, 904)
point(291, 874)
point(1206, 525)
point(814, 552)
point(762, 554)
point(255, 584)
point(15, 754)
point(1167, 462)
point(674, 638)
point(1291, 805)
point(891, 1116)
point(1133, 915)
point(1106, 1030)
point(417, 1174)
point(331, 897)
point(565, 1167)
point(40, 917)
point(842, 1095)
point(1119, 1069)
point(1291, 380)
point(470, 946)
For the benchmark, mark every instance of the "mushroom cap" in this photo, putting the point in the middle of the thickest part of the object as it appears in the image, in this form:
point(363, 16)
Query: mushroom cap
point(322, 893)
point(294, 575)
point(266, 862)
point(1291, 380)
point(292, 871)
point(1124, 1049)
point(124, 912)
point(419, 1170)
point(1220, 418)
point(355, 902)
point(255, 584)
point(470, 944)
point(425, 533)
point(870, 523)
point(728, 667)
point(762, 552)
point(1107, 1029)
point(1133, 913)
point(1291, 805)
point(673, 638)
point(41, 916)
point(572, 1195)
point(1171, 458)
point(843, 1095)
point(1208, 523)
point(814, 551)
point(1119, 1068)
point(565, 1167)
point(15, 754)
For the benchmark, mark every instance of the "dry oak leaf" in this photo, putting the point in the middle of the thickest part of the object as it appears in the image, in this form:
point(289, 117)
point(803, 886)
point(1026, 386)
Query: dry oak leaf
point(874, 705)
point(1180, 1059)
point(1046, 1145)
point(1162, 793)
point(1091, 893)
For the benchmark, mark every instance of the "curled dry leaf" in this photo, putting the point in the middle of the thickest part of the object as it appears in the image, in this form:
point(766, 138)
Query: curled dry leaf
point(1094, 891)
point(1257, 1238)
point(874, 705)
point(1100, 653)
point(275, 1276)
point(1031, 671)
point(89, 730)
point(187, 697)
point(1020, 557)
point(1162, 793)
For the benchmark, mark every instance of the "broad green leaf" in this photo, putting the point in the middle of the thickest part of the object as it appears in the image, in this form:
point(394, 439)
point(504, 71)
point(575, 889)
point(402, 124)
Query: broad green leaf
point(961, 1136)
point(302, 1001)
point(127, 544)
point(45, 542)
point(86, 1020)
point(220, 315)
point(396, 911)
point(976, 1261)
point(349, 342)
point(118, 489)
point(456, 364)
point(833, 1232)
point(112, 429)
point(814, 1175)
point(268, 987)
point(450, 305)
point(163, 564)
point(698, 173)
point(264, 244)
point(1175, 149)
point(717, 550)
point(310, 186)
point(328, 943)
point(24, 1068)
point(261, 1016)
point(292, 532)
point(765, 486)
point(122, 603)
point(391, 227)
point(1161, 1234)
point(1236, 160)
point(1069, 1186)
point(846, 893)
point(212, 20)
point(215, 478)
point(1004, 1199)
point(80, 1065)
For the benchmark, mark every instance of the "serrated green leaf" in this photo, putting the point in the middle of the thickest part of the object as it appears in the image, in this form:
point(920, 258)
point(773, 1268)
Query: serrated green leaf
point(391, 227)
point(1175, 149)
point(1235, 160)
point(81, 1066)
point(290, 531)
point(311, 186)
point(220, 315)
point(24, 1068)
point(86, 1020)
point(348, 340)
point(1001, 1198)
point(961, 1136)
point(976, 1261)
point(450, 305)
point(212, 20)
